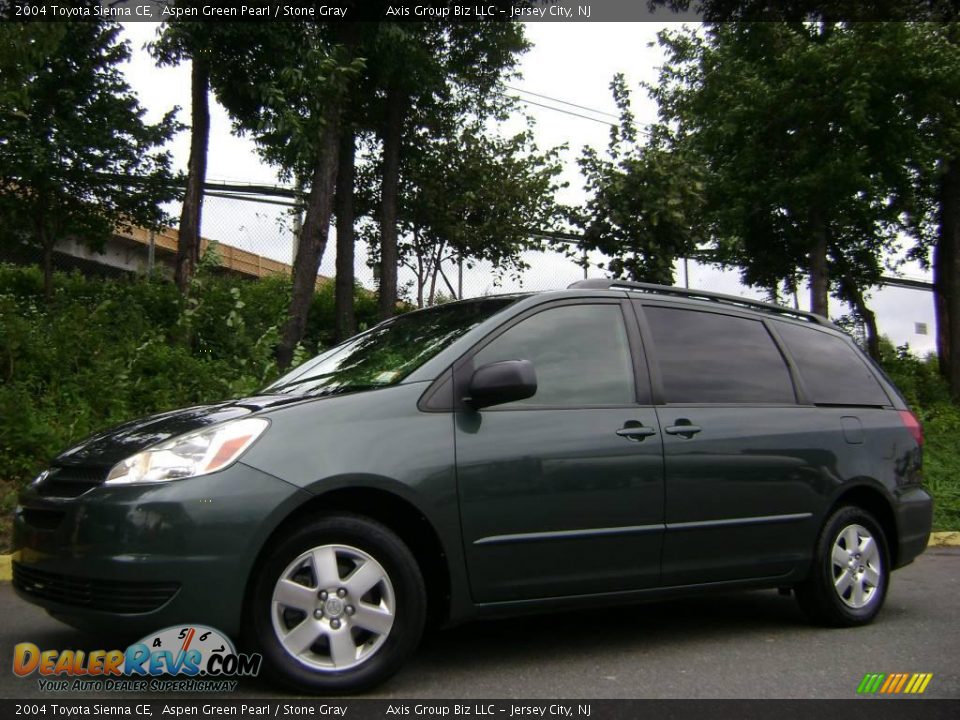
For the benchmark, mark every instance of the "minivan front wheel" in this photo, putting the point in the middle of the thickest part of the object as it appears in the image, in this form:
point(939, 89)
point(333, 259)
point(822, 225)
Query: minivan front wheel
point(851, 570)
point(338, 605)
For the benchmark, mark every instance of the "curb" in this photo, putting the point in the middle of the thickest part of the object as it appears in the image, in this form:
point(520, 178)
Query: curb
point(945, 539)
point(937, 539)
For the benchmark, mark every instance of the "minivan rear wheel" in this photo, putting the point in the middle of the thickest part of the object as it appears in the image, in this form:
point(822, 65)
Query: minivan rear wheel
point(337, 605)
point(851, 571)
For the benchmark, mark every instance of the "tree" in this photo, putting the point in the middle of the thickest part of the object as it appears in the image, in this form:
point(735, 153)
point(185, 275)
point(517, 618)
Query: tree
point(796, 130)
point(470, 194)
point(77, 159)
point(930, 54)
point(320, 91)
point(913, 68)
point(644, 200)
point(179, 41)
point(429, 75)
point(296, 77)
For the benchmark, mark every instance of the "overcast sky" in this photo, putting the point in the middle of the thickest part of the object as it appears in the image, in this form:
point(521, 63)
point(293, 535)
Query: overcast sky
point(573, 62)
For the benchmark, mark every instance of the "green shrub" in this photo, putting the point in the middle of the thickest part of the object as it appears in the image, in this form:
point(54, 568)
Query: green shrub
point(941, 463)
point(928, 394)
point(102, 351)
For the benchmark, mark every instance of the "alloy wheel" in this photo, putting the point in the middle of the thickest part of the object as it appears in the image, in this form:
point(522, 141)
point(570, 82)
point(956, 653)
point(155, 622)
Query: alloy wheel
point(856, 566)
point(333, 607)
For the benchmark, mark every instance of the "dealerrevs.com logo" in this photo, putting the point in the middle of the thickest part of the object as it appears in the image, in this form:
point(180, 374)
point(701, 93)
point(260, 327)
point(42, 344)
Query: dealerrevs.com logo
point(181, 658)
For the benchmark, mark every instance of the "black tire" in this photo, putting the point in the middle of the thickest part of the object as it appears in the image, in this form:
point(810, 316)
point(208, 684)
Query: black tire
point(404, 587)
point(838, 604)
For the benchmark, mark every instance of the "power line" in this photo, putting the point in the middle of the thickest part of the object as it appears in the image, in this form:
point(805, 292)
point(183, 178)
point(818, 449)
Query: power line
point(561, 110)
point(568, 112)
point(563, 102)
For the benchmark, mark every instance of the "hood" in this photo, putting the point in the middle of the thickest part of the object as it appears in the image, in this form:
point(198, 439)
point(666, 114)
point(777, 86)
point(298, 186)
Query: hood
point(106, 449)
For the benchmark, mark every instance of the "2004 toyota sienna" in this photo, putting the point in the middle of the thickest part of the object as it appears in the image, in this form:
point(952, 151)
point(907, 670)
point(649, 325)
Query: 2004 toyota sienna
point(612, 442)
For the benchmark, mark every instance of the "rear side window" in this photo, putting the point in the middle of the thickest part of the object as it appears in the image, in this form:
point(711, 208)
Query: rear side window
point(832, 371)
point(580, 353)
point(711, 358)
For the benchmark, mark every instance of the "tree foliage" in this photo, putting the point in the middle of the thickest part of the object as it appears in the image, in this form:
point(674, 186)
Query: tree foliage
point(473, 195)
point(432, 79)
point(645, 199)
point(810, 160)
point(77, 157)
point(881, 128)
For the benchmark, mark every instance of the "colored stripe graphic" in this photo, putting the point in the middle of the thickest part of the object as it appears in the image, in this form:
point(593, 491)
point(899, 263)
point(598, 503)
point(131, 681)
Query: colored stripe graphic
point(894, 683)
point(903, 681)
point(870, 683)
point(891, 680)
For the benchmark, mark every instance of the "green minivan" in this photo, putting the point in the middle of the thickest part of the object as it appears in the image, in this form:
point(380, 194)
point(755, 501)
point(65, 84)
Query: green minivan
point(614, 442)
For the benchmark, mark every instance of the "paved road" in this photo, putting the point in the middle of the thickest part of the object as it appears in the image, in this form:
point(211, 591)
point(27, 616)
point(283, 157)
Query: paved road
point(748, 645)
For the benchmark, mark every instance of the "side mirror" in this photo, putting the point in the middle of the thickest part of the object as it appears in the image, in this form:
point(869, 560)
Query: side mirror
point(501, 382)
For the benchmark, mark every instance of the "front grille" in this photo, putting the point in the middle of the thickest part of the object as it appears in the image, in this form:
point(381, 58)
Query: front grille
point(70, 481)
point(105, 595)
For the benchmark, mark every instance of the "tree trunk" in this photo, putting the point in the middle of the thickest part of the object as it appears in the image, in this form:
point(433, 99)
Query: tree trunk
point(345, 321)
point(946, 277)
point(819, 271)
point(853, 295)
point(437, 267)
point(188, 242)
point(873, 336)
point(392, 137)
point(313, 237)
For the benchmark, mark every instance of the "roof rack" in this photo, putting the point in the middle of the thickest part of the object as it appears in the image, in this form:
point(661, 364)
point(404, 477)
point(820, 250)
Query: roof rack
point(651, 288)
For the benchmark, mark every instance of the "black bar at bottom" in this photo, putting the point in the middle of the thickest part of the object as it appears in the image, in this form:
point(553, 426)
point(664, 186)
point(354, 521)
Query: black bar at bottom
point(875, 708)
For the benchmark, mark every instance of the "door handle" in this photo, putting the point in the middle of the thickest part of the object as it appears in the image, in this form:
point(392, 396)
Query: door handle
point(684, 429)
point(633, 430)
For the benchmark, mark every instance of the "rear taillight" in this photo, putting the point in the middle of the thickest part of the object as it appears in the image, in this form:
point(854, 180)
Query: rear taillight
point(911, 423)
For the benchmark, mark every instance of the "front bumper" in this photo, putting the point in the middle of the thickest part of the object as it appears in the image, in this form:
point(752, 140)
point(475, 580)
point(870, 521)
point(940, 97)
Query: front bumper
point(138, 558)
point(914, 510)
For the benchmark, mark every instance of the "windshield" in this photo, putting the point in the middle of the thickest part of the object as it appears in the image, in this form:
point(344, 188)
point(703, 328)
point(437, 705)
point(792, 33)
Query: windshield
point(386, 354)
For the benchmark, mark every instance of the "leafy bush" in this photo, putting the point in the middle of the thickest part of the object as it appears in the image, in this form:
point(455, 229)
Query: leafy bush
point(929, 396)
point(102, 351)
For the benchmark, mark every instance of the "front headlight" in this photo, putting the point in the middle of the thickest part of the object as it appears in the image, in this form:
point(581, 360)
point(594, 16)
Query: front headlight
point(196, 453)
